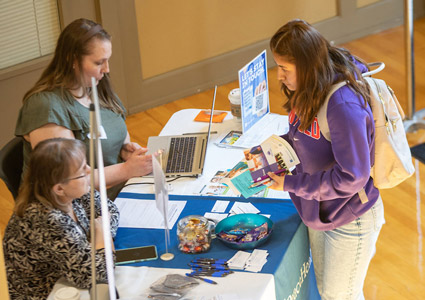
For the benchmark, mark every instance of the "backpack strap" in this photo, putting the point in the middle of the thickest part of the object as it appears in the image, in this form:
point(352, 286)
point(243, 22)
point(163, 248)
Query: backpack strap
point(379, 67)
point(322, 118)
point(322, 114)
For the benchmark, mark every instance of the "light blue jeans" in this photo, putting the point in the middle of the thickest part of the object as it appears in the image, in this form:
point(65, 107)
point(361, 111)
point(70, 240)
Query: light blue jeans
point(341, 256)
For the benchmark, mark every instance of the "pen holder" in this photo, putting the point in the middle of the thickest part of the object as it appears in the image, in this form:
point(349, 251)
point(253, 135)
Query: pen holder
point(194, 234)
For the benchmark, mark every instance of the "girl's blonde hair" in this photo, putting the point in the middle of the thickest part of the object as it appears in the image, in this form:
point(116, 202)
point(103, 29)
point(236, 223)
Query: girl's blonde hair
point(52, 161)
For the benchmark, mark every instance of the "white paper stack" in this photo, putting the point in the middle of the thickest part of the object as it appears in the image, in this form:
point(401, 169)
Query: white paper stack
point(256, 260)
point(252, 262)
point(238, 260)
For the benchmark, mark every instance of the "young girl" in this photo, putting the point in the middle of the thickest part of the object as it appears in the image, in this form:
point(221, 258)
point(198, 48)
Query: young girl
point(48, 236)
point(325, 188)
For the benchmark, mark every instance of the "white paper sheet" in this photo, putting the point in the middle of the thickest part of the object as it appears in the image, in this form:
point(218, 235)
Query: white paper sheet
point(220, 206)
point(270, 124)
point(243, 208)
point(144, 213)
point(215, 216)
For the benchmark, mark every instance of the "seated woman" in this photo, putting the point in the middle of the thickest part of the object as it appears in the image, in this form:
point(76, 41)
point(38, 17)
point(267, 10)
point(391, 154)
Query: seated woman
point(48, 236)
point(58, 104)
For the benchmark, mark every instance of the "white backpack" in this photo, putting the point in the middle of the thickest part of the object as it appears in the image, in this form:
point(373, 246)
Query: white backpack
point(393, 159)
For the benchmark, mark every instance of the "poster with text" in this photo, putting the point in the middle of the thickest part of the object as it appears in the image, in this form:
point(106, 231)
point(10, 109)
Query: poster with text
point(254, 89)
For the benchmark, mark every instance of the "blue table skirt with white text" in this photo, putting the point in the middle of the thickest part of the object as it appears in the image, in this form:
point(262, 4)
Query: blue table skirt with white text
point(289, 255)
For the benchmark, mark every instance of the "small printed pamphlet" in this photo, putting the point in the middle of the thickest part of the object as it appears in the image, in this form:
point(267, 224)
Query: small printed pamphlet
point(215, 187)
point(229, 139)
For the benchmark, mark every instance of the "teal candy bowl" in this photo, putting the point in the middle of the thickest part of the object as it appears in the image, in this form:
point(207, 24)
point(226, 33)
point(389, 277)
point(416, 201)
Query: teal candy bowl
point(244, 222)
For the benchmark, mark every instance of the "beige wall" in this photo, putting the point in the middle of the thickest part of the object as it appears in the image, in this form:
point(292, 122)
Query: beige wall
point(187, 32)
point(362, 3)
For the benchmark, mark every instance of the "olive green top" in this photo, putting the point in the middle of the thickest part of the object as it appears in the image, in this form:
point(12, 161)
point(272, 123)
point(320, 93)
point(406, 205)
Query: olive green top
point(51, 107)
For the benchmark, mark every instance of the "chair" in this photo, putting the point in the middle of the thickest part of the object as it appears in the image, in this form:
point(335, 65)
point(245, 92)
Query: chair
point(11, 163)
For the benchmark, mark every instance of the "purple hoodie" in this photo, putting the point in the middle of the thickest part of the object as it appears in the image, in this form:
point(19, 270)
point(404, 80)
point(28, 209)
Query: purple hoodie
point(324, 186)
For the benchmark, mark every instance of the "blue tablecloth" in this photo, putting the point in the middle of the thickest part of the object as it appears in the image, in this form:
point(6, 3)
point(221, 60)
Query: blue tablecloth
point(289, 256)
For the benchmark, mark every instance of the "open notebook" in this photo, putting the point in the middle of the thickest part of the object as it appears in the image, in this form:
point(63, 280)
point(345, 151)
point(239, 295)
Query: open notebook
point(182, 154)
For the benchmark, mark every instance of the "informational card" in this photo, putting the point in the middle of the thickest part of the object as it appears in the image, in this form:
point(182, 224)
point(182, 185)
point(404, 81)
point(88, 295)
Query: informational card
point(254, 89)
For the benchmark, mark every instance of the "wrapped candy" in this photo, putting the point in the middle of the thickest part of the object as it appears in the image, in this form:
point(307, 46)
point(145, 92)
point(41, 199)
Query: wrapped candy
point(239, 235)
point(194, 233)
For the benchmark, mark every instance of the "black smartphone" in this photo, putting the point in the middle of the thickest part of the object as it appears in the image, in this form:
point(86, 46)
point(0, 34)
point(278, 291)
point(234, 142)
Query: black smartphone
point(137, 254)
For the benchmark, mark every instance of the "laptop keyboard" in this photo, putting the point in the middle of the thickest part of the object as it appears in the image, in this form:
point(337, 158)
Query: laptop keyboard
point(180, 158)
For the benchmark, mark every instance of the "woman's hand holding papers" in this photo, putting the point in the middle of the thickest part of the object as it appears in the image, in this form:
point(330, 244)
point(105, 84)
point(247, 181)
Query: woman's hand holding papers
point(277, 181)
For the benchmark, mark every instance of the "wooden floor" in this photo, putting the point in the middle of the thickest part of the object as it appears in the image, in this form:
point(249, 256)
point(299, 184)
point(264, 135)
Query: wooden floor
point(397, 270)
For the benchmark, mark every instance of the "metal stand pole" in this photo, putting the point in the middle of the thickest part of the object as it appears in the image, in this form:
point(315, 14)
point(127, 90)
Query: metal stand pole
point(414, 120)
point(93, 135)
point(100, 291)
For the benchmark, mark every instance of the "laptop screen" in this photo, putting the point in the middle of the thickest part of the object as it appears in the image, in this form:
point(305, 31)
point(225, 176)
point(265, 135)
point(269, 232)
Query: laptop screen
point(212, 114)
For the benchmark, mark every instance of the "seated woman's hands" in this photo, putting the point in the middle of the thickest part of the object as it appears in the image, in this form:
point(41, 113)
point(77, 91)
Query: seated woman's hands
point(136, 160)
point(129, 148)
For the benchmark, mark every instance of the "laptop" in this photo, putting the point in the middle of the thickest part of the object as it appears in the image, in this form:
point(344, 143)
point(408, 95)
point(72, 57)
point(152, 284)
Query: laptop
point(182, 155)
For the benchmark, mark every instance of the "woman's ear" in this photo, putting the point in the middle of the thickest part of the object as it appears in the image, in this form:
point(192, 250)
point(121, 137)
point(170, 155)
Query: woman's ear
point(59, 190)
point(75, 65)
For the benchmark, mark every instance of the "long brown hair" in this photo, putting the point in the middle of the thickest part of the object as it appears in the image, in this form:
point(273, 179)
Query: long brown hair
point(318, 66)
point(52, 161)
point(73, 44)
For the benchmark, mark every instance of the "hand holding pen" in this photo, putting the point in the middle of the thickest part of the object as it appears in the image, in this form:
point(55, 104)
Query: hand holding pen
point(277, 181)
point(261, 182)
point(266, 180)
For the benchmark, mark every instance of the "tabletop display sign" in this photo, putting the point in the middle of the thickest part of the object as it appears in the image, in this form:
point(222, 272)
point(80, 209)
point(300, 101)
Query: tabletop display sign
point(254, 89)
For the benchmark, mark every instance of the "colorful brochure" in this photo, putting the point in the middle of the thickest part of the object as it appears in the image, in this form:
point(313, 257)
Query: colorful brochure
point(249, 176)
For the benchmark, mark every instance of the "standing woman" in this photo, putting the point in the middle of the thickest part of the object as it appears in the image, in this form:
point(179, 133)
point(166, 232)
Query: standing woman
point(48, 235)
point(58, 104)
point(326, 186)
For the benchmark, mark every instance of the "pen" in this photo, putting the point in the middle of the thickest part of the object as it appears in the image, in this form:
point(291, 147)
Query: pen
point(209, 266)
point(210, 261)
point(265, 176)
point(192, 133)
point(200, 192)
point(258, 183)
point(213, 273)
point(201, 278)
